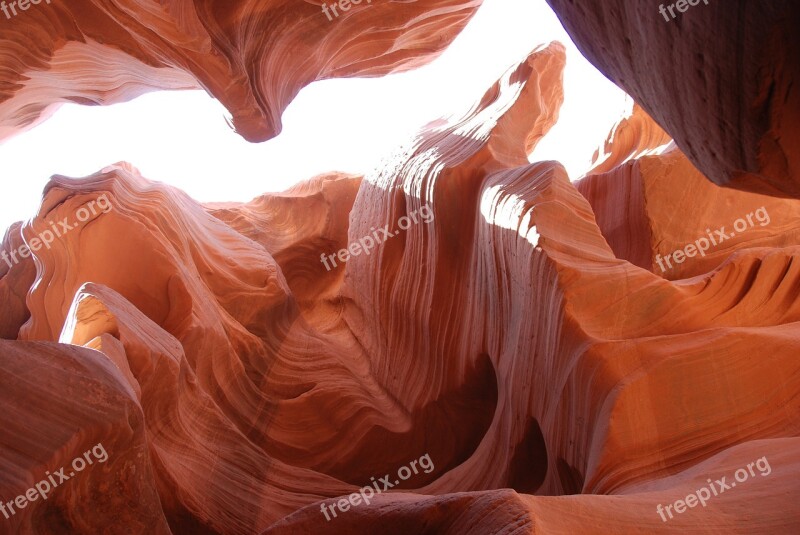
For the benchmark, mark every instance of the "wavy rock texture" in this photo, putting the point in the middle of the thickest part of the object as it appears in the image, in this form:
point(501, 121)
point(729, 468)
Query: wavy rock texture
point(514, 271)
point(74, 398)
point(721, 78)
point(506, 511)
point(17, 275)
point(225, 389)
point(634, 136)
point(657, 202)
point(104, 52)
point(556, 386)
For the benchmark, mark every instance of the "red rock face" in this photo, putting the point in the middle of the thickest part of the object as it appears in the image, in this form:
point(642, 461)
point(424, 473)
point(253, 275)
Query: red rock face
point(254, 56)
point(17, 275)
point(719, 77)
point(651, 202)
point(509, 335)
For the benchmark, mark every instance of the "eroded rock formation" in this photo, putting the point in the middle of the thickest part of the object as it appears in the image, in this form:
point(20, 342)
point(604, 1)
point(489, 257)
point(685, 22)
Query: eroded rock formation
point(254, 56)
point(720, 77)
point(650, 201)
point(521, 335)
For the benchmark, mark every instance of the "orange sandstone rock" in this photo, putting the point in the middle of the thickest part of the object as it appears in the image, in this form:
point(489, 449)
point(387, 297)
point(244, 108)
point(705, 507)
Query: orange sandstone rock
point(56, 402)
point(656, 204)
point(720, 78)
point(253, 56)
point(17, 274)
point(557, 386)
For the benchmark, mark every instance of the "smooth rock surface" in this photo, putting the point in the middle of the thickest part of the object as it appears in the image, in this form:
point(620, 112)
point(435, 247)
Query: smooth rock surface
point(518, 334)
point(253, 56)
point(721, 78)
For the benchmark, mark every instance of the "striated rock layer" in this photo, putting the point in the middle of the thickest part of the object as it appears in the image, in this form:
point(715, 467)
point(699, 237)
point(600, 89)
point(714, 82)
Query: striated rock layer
point(657, 203)
point(720, 77)
point(253, 56)
point(512, 336)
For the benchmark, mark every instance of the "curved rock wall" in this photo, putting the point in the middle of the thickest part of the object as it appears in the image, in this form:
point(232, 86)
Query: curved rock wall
point(720, 77)
point(254, 56)
point(245, 366)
